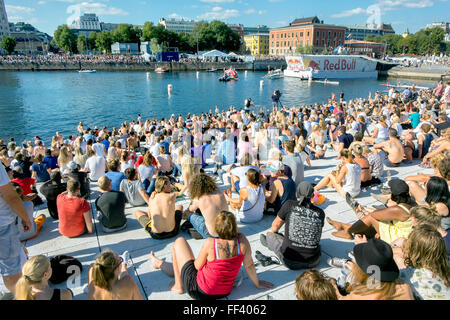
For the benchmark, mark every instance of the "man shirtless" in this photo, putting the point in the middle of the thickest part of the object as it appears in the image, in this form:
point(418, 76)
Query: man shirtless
point(393, 148)
point(207, 203)
point(162, 220)
point(132, 142)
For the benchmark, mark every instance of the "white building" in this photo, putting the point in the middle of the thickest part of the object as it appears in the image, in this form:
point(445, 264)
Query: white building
point(178, 26)
point(87, 22)
point(4, 25)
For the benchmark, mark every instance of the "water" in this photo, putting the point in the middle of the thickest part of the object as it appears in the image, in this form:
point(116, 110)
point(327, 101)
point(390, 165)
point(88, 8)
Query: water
point(41, 103)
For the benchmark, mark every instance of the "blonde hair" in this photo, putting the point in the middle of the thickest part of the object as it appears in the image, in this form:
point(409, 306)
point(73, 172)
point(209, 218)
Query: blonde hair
point(436, 160)
point(64, 156)
point(103, 270)
point(32, 273)
point(385, 291)
point(314, 285)
point(424, 215)
point(357, 150)
point(425, 249)
point(160, 183)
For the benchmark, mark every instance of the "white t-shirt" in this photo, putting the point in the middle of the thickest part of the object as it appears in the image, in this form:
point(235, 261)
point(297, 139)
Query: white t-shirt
point(99, 149)
point(96, 166)
point(240, 173)
point(7, 215)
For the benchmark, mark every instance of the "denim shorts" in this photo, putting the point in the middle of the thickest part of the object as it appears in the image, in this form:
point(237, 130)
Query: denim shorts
point(9, 250)
point(198, 222)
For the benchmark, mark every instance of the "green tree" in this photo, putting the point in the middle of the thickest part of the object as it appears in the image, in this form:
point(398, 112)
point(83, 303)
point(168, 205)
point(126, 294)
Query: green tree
point(304, 49)
point(408, 44)
point(8, 44)
point(91, 45)
point(430, 40)
point(104, 41)
point(66, 38)
point(369, 38)
point(126, 33)
point(81, 43)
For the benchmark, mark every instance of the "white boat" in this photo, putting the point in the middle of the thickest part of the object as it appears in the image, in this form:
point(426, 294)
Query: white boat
point(87, 71)
point(211, 70)
point(275, 74)
point(161, 70)
point(330, 67)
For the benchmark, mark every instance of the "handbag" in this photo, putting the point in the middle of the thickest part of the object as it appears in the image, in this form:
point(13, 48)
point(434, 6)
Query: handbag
point(63, 267)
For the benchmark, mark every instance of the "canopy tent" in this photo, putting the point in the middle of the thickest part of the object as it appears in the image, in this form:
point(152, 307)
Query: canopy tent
point(214, 53)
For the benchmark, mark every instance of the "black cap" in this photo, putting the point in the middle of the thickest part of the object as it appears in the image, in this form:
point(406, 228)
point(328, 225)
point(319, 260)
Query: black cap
point(398, 187)
point(376, 259)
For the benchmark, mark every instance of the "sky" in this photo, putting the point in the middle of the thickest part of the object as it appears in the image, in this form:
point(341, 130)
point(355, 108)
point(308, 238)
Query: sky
point(46, 15)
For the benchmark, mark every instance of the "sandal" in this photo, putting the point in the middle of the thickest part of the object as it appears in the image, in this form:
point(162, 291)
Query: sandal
point(265, 260)
point(360, 212)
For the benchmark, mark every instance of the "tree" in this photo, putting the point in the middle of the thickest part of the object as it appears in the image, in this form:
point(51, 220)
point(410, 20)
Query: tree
point(104, 41)
point(66, 38)
point(81, 43)
point(369, 38)
point(125, 33)
point(408, 44)
point(91, 45)
point(304, 49)
point(430, 40)
point(8, 44)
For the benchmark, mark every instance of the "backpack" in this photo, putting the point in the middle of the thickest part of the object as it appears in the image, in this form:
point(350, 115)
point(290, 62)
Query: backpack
point(63, 267)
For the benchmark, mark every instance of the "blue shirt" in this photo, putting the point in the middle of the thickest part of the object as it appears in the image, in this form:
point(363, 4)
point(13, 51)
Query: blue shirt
point(41, 171)
point(106, 143)
point(116, 178)
point(52, 162)
point(415, 119)
point(165, 145)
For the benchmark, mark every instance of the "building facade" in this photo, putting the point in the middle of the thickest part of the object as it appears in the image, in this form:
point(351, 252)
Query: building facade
point(30, 43)
point(305, 32)
point(257, 44)
point(88, 21)
point(108, 26)
point(238, 28)
point(4, 25)
point(178, 26)
point(360, 32)
point(367, 48)
point(256, 30)
point(124, 48)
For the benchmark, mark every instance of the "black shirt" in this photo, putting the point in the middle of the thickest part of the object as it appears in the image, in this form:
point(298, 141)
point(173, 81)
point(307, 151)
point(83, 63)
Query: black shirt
point(81, 177)
point(303, 230)
point(347, 139)
point(112, 206)
point(51, 192)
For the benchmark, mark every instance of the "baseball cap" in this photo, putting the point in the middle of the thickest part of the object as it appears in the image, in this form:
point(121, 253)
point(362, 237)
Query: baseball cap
point(398, 187)
point(72, 165)
point(275, 166)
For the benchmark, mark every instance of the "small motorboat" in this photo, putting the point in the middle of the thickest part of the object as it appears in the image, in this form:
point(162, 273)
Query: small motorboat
point(161, 70)
point(274, 74)
point(211, 70)
point(87, 71)
point(228, 75)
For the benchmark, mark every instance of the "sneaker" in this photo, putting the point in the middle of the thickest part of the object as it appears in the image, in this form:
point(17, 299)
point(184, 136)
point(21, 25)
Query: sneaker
point(337, 262)
point(351, 256)
point(126, 258)
point(263, 240)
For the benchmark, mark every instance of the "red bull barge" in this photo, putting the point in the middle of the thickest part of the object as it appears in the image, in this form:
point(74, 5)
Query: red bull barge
point(330, 67)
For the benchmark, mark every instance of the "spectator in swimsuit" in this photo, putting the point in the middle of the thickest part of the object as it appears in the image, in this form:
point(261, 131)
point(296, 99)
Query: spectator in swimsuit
point(212, 274)
point(108, 279)
point(33, 284)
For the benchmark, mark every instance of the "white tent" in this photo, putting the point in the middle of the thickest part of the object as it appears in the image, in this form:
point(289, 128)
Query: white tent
point(214, 53)
point(232, 54)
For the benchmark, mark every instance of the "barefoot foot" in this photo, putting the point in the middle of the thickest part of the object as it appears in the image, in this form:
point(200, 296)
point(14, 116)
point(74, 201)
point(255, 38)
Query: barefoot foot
point(156, 262)
point(337, 225)
point(177, 289)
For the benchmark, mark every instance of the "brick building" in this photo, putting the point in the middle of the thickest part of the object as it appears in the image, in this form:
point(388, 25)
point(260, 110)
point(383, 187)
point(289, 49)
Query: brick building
point(365, 48)
point(306, 32)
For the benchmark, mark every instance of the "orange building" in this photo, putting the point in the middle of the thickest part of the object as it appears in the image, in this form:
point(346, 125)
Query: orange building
point(305, 32)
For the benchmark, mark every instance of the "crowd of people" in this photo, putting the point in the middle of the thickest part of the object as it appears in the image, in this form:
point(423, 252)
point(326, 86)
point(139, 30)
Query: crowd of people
point(262, 154)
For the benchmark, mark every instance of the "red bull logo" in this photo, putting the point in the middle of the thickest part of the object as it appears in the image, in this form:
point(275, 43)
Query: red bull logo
point(340, 65)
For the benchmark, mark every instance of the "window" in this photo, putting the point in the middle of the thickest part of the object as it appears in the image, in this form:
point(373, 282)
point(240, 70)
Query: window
point(318, 34)
point(307, 34)
point(323, 34)
point(317, 42)
point(301, 34)
point(329, 34)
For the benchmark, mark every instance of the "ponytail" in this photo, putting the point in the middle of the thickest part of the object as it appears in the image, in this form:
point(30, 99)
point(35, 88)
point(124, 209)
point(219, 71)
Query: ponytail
point(32, 273)
point(103, 270)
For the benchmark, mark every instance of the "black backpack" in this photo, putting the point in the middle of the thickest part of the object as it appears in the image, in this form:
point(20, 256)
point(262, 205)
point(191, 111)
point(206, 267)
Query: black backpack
point(61, 270)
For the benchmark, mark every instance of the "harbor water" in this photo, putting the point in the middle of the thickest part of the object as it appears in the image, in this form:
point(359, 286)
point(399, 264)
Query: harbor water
point(41, 103)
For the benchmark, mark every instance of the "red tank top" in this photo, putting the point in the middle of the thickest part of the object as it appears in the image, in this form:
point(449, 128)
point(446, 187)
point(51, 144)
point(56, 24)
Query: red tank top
point(217, 276)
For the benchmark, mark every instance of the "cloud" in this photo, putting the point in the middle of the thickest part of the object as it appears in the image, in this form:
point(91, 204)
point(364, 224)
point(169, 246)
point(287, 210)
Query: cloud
point(14, 10)
point(217, 1)
point(220, 13)
point(101, 9)
point(349, 13)
point(176, 16)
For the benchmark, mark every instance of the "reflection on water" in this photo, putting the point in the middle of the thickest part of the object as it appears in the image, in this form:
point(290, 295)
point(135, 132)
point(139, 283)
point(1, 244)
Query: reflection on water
point(40, 103)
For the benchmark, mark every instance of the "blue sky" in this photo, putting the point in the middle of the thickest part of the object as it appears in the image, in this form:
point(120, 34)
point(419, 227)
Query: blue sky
point(46, 15)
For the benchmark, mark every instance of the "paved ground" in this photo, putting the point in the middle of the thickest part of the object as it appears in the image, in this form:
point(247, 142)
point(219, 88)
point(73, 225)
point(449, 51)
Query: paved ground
point(154, 284)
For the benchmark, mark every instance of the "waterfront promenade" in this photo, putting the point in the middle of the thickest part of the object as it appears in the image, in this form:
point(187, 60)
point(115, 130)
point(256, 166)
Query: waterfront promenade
point(153, 284)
